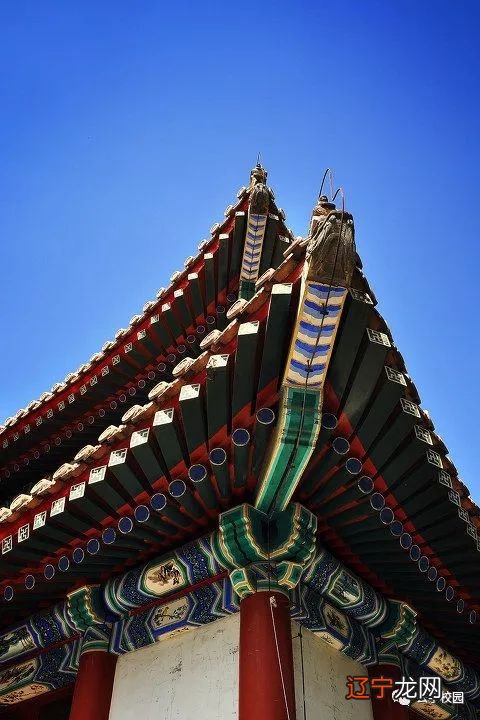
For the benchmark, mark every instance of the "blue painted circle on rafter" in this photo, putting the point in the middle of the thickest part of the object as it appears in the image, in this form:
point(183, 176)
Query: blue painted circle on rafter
point(440, 584)
point(197, 473)
point(8, 593)
point(432, 573)
point(63, 563)
point(49, 571)
point(109, 535)
point(449, 593)
point(329, 421)
point(423, 564)
point(240, 437)
point(125, 525)
point(218, 456)
point(365, 484)
point(177, 488)
point(405, 540)
point(93, 546)
point(158, 502)
point(341, 446)
point(387, 516)
point(265, 416)
point(141, 513)
point(460, 605)
point(415, 553)
point(353, 466)
point(377, 501)
point(29, 582)
point(396, 528)
point(78, 555)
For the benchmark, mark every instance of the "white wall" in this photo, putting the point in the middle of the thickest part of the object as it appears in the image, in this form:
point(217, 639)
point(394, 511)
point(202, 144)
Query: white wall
point(194, 676)
point(188, 676)
point(325, 672)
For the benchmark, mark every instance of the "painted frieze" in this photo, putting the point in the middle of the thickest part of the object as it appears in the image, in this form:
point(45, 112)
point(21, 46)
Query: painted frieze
point(193, 609)
point(48, 671)
point(169, 574)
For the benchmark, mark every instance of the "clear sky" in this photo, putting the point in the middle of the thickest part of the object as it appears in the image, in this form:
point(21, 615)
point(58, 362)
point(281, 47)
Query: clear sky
point(126, 128)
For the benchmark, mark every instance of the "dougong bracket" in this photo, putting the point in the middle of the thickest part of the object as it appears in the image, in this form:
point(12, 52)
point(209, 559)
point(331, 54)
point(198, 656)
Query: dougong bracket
point(265, 553)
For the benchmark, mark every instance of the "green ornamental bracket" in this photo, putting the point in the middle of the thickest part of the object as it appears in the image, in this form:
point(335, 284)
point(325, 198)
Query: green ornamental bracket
point(96, 639)
point(265, 553)
point(327, 275)
point(388, 654)
point(400, 625)
point(84, 608)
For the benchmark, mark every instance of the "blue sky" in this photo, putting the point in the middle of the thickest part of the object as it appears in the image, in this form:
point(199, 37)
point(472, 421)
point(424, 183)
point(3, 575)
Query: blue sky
point(127, 128)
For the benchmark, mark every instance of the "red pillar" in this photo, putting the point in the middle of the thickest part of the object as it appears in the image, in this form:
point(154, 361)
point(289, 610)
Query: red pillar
point(266, 658)
point(93, 686)
point(386, 707)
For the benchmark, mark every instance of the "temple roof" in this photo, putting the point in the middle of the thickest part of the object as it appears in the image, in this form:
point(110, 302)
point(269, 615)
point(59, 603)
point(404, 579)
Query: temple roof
point(386, 494)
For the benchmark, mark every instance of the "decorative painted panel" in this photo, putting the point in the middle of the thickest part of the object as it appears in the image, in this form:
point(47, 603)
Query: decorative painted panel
point(333, 626)
point(199, 607)
point(39, 631)
point(49, 671)
point(314, 335)
point(188, 565)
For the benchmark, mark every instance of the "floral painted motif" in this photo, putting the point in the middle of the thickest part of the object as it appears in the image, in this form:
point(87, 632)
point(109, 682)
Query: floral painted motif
point(431, 711)
point(163, 578)
point(445, 665)
point(170, 613)
point(24, 693)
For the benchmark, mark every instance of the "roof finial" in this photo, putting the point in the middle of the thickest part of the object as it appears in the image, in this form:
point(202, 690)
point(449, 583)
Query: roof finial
point(258, 176)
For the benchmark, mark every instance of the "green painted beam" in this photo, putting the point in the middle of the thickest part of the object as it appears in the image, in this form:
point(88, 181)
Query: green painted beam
point(169, 439)
point(245, 373)
point(194, 421)
point(277, 335)
point(218, 395)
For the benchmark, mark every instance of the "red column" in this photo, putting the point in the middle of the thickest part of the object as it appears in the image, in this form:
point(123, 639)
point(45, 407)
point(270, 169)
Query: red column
point(93, 686)
point(266, 658)
point(385, 707)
